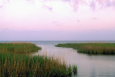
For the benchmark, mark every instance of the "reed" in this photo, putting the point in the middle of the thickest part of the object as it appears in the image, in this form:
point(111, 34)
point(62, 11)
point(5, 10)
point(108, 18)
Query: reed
point(16, 64)
point(18, 48)
point(92, 48)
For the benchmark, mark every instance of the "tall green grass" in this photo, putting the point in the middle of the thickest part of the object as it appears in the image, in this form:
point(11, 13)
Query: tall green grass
point(18, 48)
point(92, 48)
point(16, 64)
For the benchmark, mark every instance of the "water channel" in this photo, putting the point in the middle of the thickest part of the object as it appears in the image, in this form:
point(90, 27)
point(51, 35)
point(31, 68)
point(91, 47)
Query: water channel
point(88, 65)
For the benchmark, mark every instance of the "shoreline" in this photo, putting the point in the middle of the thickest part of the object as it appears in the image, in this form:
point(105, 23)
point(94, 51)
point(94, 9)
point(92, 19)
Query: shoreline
point(91, 48)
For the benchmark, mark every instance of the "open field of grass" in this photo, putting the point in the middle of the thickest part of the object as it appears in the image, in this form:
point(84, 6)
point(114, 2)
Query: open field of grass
point(14, 62)
point(91, 48)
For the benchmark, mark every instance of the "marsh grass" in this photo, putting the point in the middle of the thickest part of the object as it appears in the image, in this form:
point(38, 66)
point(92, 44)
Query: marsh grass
point(18, 48)
point(74, 70)
point(14, 62)
point(92, 48)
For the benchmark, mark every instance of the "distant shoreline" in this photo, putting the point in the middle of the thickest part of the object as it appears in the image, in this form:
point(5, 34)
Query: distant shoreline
point(91, 48)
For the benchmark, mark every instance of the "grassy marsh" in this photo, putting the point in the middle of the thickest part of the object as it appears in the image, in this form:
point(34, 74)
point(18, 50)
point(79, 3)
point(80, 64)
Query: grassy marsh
point(18, 48)
point(14, 62)
point(91, 48)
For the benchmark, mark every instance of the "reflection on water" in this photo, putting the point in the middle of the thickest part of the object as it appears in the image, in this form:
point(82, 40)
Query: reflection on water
point(88, 65)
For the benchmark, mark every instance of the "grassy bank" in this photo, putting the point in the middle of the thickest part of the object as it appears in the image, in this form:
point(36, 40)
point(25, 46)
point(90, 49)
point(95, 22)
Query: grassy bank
point(14, 62)
point(18, 48)
point(92, 48)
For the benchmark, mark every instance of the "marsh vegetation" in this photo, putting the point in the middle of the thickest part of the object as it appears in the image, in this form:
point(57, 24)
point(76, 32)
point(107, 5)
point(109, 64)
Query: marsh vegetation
point(18, 48)
point(14, 62)
point(91, 48)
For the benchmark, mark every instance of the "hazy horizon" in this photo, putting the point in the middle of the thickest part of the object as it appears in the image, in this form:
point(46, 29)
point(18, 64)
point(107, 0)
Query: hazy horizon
point(59, 40)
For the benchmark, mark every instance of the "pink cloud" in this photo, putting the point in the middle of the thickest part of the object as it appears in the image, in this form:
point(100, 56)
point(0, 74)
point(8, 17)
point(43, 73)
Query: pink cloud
point(48, 7)
point(54, 22)
point(78, 20)
point(92, 5)
point(75, 4)
point(106, 3)
point(1, 6)
point(102, 3)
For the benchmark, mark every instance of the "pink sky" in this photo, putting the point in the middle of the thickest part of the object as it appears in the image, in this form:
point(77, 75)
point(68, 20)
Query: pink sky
point(72, 17)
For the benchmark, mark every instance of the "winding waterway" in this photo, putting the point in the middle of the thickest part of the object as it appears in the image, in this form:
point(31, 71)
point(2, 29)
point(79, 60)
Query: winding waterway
point(88, 65)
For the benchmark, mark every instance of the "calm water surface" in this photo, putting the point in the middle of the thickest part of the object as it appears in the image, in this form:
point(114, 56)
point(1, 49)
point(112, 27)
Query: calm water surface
point(88, 65)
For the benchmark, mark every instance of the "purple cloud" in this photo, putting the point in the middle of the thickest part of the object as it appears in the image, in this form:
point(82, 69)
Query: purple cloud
point(75, 4)
point(92, 5)
point(113, 3)
point(8, 0)
point(54, 22)
point(102, 3)
point(65, 0)
point(110, 3)
point(106, 3)
point(78, 20)
point(48, 7)
point(1, 6)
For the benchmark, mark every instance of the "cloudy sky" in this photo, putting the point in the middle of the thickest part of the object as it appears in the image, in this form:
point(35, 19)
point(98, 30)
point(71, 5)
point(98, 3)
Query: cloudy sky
point(57, 20)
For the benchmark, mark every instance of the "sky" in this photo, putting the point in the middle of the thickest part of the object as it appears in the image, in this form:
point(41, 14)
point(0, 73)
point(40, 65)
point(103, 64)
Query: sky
point(53, 20)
